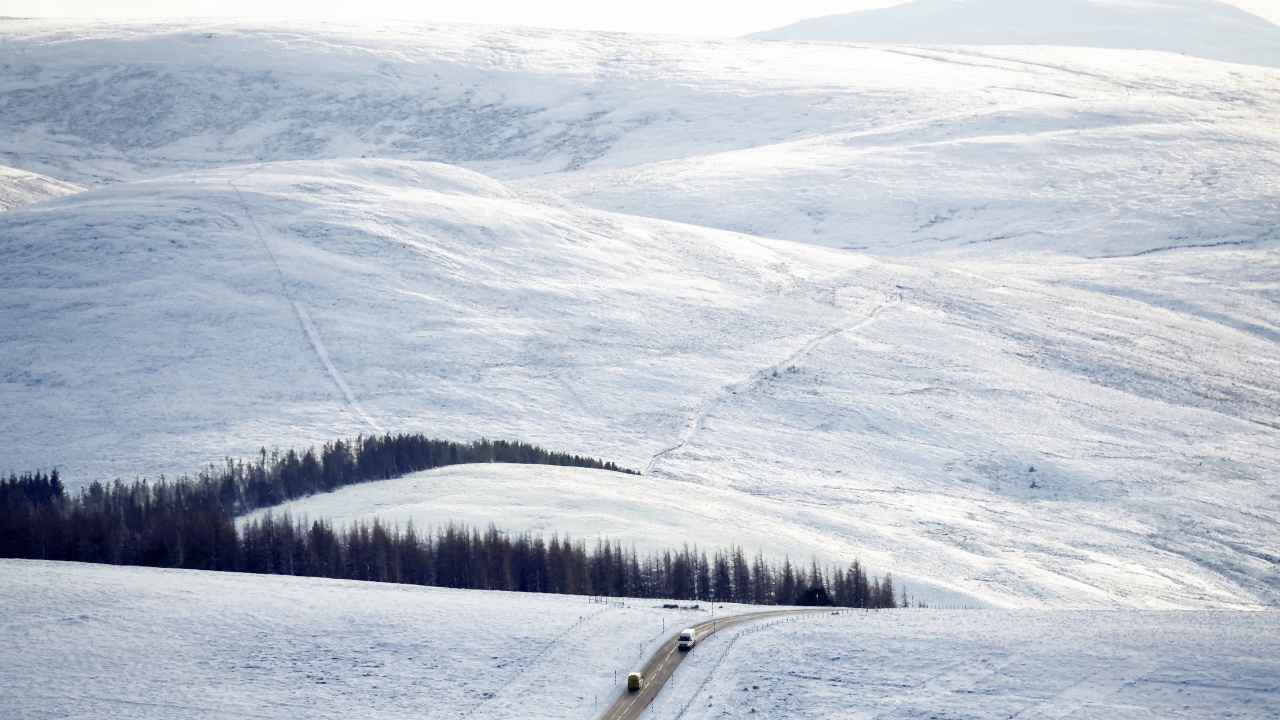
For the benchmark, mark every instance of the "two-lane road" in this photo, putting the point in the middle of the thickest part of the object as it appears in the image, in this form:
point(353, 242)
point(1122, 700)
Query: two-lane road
point(668, 657)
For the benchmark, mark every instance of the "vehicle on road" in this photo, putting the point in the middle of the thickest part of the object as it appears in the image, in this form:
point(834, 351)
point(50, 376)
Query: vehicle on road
point(688, 638)
point(634, 681)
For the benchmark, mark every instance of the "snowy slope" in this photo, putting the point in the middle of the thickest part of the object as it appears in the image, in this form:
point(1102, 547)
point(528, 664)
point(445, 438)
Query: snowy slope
point(1203, 28)
point(1017, 434)
point(982, 404)
point(100, 102)
point(892, 149)
point(18, 187)
point(986, 664)
point(650, 513)
point(155, 326)
point(100, 641)
point(1101, 154)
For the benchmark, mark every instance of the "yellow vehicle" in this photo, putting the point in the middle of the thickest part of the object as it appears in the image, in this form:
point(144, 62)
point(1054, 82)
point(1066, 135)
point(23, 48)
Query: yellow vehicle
point(634, 681)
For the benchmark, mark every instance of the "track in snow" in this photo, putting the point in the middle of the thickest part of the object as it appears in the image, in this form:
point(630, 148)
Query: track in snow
point(700, 417)
point(308, 327)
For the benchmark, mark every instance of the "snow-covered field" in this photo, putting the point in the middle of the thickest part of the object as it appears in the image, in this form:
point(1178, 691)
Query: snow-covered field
point(986, 664)
point(1046, 377)
point(100, 641)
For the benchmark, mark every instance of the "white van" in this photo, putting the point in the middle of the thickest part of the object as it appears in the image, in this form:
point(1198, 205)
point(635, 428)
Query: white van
point(688, 638)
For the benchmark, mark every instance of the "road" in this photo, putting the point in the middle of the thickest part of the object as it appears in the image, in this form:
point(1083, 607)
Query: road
point(665, 661)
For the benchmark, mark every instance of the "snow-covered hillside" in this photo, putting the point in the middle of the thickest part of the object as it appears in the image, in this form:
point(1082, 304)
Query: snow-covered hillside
point(18, 187)
point(986, 664)
point(149, 325)
point(649, 513)
point(1100, 154)
point(101, 641)
point(1017, 439)
point(991, 401)
point(99, 102)
point(1203, 28)
point(892, 149)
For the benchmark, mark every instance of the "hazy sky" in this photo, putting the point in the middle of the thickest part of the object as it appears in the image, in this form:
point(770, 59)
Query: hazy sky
point(702, 17)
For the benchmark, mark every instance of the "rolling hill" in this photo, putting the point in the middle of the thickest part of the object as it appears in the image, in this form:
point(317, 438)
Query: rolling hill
point(1203, 28)
point(1035, 367)
point(295, 302)
point(1046, 151)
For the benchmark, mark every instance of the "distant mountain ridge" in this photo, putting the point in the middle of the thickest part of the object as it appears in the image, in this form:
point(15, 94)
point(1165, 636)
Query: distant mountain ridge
point(1203, 28)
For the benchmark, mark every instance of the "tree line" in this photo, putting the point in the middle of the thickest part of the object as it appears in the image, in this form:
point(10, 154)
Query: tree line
point(460, 556)
point(190, 523)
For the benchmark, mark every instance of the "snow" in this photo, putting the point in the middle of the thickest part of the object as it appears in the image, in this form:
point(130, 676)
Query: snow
point(95, 641)
point(909, 406)
point(1045, 377)
point(649, 513)
point(892, 149)
point(18, 187)
point(1202, 28)
point(99, 102)
point(985, 664)
point(84, 640)
point(445, 302)
point(1100, 155)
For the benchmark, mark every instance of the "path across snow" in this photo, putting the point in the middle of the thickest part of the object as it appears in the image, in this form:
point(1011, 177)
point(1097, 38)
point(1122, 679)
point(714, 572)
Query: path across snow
point(704, 410)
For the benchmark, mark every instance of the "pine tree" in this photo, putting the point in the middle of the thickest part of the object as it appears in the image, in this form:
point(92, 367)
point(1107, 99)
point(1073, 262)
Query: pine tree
point(787, 585)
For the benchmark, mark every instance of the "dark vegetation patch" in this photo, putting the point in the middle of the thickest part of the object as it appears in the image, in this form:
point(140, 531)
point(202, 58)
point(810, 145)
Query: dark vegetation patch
point(190, 523)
